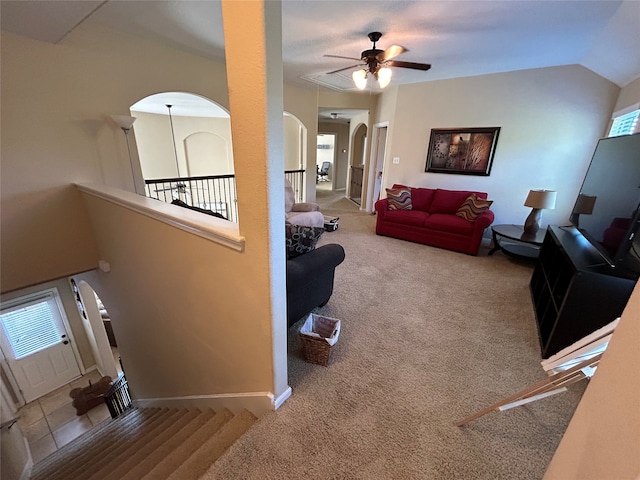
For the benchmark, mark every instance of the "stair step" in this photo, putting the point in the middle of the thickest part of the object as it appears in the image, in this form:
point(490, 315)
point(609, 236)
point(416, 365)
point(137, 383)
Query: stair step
point(85, 457)
point(59, 459)
point(172, 461)
point(151, 461)
point(212, 449)
point(150, 444)
point(133, 444)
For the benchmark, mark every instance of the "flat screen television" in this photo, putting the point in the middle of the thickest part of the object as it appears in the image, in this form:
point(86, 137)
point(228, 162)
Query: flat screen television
point(607, 210)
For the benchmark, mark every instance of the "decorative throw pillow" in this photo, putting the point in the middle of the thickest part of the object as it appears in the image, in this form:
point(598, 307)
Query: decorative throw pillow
point(301, 239)
point(399, 199)
point(472, 207)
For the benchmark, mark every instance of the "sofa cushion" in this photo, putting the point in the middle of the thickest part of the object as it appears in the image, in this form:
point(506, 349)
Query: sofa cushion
point(301, 239)
point(449, 201)
point(449, 223)
point(421, 198)
point(399, 198)
point(414, 218)
point(472, 207)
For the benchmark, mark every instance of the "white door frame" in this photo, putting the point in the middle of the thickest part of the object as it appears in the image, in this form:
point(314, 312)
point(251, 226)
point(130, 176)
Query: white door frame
point(95, 330)
point(372, 167)
point(335, 147)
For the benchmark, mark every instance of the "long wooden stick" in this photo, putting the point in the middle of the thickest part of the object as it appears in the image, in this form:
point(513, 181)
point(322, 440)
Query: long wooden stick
point(559, 379)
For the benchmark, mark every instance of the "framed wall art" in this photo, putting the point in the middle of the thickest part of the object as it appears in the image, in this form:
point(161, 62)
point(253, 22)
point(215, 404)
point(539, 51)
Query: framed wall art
point(466, 151)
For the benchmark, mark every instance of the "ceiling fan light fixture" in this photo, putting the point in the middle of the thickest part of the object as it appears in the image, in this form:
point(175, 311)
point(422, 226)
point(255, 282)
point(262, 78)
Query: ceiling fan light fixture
point(384, 76)
point(360, 79)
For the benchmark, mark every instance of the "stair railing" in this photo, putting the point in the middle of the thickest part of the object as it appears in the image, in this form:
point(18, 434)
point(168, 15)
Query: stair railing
point(117, 398)
point(212, 192)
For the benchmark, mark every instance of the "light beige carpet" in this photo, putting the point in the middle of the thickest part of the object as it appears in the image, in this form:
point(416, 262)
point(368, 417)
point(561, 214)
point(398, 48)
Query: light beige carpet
point(428, 337)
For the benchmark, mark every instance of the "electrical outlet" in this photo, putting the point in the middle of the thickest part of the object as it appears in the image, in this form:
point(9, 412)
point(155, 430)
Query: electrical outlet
point(396, 160)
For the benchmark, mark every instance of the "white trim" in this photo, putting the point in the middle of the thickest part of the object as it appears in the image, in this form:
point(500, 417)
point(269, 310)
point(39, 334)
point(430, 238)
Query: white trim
point(524, 401)
point(624, 111)
point(205, 226)
point(284, 396)
point(372, 167)
point(258, 403)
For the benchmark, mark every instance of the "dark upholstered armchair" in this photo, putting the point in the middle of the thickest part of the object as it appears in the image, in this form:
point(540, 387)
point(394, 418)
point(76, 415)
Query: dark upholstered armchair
point(310, 280)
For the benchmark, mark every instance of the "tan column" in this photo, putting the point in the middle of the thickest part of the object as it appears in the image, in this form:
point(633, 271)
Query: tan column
point(253, 48)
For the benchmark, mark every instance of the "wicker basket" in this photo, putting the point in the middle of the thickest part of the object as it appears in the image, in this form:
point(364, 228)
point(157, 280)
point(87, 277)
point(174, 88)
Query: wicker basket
point(318, 335)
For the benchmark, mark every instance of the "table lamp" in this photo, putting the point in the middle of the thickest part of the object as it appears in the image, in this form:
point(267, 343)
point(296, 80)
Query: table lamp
point(584, 206)
point(537, 200)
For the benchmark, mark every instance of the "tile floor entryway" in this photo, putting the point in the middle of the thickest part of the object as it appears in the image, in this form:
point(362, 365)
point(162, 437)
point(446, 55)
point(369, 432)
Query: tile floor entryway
point(51, 421)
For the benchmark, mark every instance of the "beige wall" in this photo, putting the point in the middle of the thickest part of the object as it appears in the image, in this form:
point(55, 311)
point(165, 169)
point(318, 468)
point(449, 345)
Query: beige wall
point(156, 152)
point(183, 310)
point(550, 119)
point(56, 130)
point(293, 133)
point(303, 103)
point(629, 95)
point(603, 438)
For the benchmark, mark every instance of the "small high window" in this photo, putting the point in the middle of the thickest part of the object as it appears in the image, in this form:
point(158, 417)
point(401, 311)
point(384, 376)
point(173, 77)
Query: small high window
point(625, 122)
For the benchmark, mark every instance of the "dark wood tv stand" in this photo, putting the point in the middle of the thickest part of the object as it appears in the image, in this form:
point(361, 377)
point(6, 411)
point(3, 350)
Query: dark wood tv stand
point(574, 290)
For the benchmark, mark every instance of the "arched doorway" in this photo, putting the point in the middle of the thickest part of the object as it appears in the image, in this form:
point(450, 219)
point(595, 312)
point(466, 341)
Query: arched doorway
point(96, 322)
point(181, 134)
point(356, 173)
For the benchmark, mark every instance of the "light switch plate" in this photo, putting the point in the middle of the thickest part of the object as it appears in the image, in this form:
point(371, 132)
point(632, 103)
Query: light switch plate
point(396, 160)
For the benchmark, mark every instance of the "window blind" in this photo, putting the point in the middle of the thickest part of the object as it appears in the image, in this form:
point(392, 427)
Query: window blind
point(31, 327)
point(624, 124)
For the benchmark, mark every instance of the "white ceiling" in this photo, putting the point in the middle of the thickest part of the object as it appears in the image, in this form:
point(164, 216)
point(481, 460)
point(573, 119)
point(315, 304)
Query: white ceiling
point(458, 37)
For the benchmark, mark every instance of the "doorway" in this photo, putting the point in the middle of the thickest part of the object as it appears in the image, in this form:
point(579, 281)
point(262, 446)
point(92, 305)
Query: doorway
point(325, 160)
point(37, 345)
point(97, 325)
point(376, 172)
point(358, 157)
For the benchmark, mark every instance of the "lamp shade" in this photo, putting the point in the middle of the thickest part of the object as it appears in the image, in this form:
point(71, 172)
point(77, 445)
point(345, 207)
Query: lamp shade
point(585, 204)
point(124, 121)
point(541, 199)
point(384, 76)
point(360, 79)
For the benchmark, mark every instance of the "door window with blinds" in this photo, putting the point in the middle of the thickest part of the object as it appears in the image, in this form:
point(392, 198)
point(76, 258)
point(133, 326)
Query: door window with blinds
point(32, 324)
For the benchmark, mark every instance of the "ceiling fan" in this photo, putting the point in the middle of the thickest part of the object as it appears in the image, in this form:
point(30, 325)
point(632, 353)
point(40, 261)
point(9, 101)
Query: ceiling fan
point(377, 62)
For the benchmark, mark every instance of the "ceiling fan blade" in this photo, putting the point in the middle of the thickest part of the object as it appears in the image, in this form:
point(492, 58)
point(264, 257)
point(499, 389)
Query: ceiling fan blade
point(391, 52)
point(415, 66)
point(340, 56)
point(345, 68)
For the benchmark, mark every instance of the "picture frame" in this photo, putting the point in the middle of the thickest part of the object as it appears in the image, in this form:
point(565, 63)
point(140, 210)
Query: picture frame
point(464, 151)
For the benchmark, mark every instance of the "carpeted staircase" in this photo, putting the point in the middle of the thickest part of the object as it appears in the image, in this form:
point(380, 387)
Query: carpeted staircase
point(147, 443)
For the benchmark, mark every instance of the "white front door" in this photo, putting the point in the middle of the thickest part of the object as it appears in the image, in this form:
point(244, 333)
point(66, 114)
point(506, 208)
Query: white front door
point(36, 344)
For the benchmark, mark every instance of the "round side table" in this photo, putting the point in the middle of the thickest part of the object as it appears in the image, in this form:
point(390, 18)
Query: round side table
point(512, 241)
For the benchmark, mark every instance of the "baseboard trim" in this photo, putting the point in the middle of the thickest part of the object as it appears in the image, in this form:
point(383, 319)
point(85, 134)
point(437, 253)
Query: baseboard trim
point(258, 403)
point(277, 403)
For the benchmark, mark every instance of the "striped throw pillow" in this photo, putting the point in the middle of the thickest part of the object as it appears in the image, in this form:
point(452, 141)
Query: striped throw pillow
point(399, 198)
point(472, 207)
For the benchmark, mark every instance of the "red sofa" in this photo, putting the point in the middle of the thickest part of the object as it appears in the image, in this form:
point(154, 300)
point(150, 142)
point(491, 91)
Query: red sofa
point(432, 220)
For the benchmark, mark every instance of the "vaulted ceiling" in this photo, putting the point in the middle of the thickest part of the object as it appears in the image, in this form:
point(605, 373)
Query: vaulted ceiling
point(459, 38)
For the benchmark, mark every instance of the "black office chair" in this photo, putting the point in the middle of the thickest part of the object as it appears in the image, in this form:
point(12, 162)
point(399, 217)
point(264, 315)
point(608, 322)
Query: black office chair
point(323, 173)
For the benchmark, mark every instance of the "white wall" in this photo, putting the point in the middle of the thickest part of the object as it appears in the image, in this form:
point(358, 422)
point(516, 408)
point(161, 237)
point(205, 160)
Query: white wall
point(550, 119)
